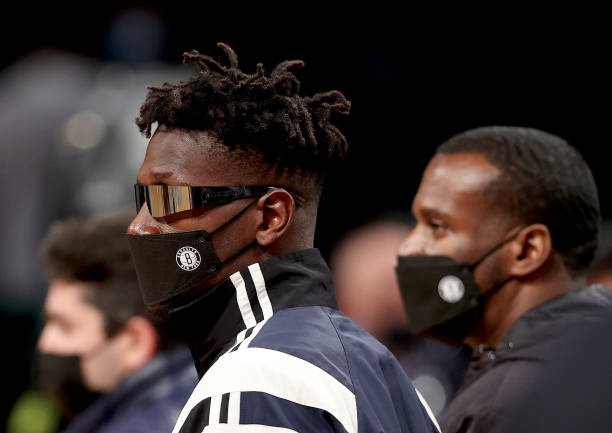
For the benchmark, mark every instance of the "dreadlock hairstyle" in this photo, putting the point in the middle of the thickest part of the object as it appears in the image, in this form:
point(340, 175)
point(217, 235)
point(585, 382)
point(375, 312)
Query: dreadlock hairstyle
point(252, 112)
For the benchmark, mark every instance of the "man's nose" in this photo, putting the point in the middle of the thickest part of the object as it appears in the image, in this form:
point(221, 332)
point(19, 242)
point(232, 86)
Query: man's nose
point(43, 345)
point(144, 223)
point(48, 341)
point(413, 244)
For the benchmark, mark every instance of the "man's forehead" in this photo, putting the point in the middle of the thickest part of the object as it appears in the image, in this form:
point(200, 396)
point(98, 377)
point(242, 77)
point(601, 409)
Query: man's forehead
point(65, 295)
point(469, 172)
point(453, 181)
point(179, 157)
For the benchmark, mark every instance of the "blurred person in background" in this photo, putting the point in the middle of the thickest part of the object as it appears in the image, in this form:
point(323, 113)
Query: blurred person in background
point(68, 147)
point(366, 286)
point(228, 195)
point(362, 266)
point(98, 339)
point(507, 225)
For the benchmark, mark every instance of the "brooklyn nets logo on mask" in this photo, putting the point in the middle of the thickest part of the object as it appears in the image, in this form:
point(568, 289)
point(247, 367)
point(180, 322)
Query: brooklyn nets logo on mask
point(188, 258)
point(451, 289)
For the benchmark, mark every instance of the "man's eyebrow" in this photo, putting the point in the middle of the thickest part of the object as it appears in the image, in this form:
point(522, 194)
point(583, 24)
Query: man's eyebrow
point(50, 316)
point(433, 213)
point(154, 178)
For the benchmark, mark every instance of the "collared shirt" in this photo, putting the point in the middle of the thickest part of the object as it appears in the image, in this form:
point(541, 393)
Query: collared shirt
point(276, 355)
point(499, 377)
point(148, 401)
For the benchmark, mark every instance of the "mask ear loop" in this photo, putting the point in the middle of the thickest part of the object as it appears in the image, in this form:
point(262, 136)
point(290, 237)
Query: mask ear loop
point(229, 259)
point(483, 296)
point(235, 217)
point(497, 247)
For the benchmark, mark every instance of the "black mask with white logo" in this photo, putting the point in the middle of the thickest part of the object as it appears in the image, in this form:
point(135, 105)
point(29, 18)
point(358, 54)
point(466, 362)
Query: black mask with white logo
point(440, 295)
point(173, 263)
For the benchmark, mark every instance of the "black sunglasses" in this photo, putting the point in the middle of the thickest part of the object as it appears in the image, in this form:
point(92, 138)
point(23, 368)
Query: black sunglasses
point(164, 200)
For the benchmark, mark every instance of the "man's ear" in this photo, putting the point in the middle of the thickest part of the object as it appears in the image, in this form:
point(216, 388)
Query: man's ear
point(530, 250)
point(277, 209)
point(140, 342)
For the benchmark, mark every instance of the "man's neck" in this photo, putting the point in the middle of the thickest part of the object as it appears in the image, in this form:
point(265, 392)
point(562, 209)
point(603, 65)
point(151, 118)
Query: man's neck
point(515, 298)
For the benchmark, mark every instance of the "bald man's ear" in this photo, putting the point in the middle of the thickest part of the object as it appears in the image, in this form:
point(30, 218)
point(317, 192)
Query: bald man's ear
point(530, 250)
point(140, 342)
point(277, 209)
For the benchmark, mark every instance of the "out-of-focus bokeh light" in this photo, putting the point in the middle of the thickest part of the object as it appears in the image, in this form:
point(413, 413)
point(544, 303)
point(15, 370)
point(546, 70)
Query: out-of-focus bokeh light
point(85, 130)
point(432, 391)
point(33, 413)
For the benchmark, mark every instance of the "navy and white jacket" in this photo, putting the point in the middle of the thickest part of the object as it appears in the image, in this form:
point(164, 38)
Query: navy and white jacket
point(276, 355)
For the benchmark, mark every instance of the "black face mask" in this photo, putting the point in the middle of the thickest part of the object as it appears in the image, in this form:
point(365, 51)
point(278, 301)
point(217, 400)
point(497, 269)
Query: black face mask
point(173, 263)
point(441, 296)
point(61, 378)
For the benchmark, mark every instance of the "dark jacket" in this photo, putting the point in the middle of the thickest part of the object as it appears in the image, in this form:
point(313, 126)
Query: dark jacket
point(499, 377)
point(276, 355)
point(148, 401)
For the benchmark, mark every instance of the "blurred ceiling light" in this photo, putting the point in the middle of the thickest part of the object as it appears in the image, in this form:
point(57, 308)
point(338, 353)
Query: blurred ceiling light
point(85, 130)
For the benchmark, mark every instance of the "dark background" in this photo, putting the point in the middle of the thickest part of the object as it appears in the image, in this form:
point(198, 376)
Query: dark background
point(414, 78)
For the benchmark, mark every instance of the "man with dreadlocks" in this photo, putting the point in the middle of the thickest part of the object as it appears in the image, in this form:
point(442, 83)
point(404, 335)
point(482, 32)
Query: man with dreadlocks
point(227, 198)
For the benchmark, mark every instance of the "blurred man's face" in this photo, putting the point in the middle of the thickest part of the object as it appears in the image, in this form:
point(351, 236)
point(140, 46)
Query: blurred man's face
point(74, 327)
point(365, 281)
point(452, 216)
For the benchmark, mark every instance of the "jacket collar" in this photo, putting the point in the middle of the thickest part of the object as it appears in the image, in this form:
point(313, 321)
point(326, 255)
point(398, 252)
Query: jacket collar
point(544, 321)
point(581, 304)
point(250, 296)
